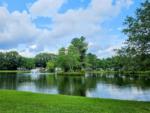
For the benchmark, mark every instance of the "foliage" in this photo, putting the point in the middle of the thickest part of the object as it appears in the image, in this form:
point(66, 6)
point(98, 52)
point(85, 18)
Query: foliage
point(91, 61)
point(9, 60)
point(51, 66)
point(137, 49)
point(27, 63)
point(82, 47)
point(62, 60)
point(42, 58)
point(68, 59)
point(73, 57)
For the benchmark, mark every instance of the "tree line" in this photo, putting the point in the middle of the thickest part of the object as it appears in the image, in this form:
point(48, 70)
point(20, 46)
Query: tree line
point(72, 58)
point(134, 56)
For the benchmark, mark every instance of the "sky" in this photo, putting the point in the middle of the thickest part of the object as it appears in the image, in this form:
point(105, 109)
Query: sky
point(34, 26)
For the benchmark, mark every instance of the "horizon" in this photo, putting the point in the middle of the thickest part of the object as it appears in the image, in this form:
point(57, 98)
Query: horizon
point(36, 26)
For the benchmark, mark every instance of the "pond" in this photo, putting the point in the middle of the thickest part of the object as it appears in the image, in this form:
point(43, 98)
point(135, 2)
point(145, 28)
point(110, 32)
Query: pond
point(114, 86)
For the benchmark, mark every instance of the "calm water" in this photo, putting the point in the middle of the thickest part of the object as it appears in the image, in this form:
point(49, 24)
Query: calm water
point(103, 86)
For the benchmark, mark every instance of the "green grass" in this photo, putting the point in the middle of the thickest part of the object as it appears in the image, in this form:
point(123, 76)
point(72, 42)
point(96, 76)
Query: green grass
point(102, 72)
point(14, 71)
point(121, 72)
point(25, 102)
point(71, 73)
point(141, 73)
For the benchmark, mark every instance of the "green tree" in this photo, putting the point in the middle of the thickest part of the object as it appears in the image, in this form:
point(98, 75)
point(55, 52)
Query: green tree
point(51, 66)
point(42, 58)
point(68, 59)
point(138, 30)
point(62, 60)
point(11, 60)
point(137, 50)
point(82, 47)
point(92, 61)
point(27, 63)
point(2, 59)
point(73, 57)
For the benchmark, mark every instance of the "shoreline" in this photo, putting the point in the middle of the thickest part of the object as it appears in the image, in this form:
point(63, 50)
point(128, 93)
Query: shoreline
point(14, 71)
point(81, 73)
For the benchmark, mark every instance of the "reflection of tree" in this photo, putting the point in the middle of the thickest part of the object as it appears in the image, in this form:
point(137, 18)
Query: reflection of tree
point(73, 85)
point(45, 81)
point(142, 82)
point(76, 85)
point(8, 80)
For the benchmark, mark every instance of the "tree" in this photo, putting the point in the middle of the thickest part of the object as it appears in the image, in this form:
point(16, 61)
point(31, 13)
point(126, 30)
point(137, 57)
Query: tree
point(62, 60)
point(12, 60)
point(2, 59)
point(137, 49)
point(73, 57)
point(51, 66)
point(42, 58)
point(9, 60)
point(27, 63)
point(91, 61)
point(82, 47)
point(138, 30)
point(68, 59)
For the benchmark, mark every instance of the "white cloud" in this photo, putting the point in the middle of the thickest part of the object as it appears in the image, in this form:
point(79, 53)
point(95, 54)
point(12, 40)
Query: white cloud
point(104, 53)
point(33, 46)
point(129, 3)
point(17, 28)
point(46, 8)
point(27, 53)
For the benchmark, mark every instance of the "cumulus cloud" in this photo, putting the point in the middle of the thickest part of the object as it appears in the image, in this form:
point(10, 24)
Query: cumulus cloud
point(85, 22)
point(46, 8)
point(17, 28)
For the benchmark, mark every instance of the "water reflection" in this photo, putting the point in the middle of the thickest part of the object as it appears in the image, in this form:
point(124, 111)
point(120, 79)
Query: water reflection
point(91, 85)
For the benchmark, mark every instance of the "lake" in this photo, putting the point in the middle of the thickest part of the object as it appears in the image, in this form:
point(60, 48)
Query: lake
point(114, 86)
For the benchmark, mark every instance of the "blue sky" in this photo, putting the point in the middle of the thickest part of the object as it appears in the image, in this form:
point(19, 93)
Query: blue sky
point(34, 26)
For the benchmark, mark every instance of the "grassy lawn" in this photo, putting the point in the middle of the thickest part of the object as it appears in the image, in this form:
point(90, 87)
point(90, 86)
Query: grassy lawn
point(25, 102)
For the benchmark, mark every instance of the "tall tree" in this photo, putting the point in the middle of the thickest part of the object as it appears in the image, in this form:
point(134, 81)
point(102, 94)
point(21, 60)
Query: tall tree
point(73, 57)
point(62, 60)
point(82, 47)
point(137, 29)
point(68, 59)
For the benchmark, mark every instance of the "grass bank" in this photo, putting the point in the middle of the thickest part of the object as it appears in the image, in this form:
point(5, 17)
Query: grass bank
point(120, 72)
point(14, 71)
point(80, 73)
point(143, 73)
point(71, 73)
point(25, 102)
